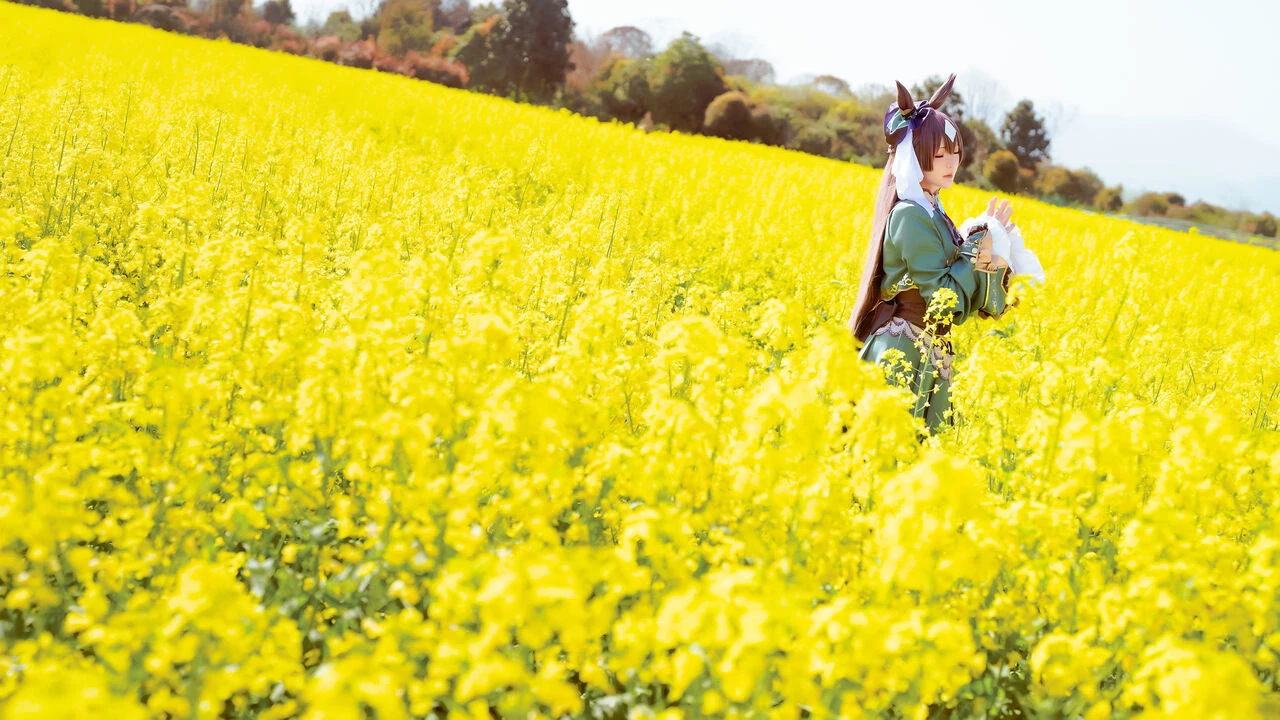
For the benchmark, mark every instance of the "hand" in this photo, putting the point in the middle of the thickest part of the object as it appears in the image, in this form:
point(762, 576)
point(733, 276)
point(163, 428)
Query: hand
point(1003, 212)
point(999, 262)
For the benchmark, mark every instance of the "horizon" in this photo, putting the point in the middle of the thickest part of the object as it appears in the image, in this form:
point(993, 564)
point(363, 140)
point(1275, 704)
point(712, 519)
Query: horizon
point(1095, 124)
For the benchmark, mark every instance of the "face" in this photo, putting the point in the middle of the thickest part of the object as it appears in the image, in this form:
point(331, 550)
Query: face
point(943, 174)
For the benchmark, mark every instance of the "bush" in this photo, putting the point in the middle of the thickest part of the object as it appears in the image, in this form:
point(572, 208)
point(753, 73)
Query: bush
point(1056, 180)
point(1001, 170)
point(61, 5)
point(1108, 199)
point(1149, 204)
point(382, 62)
point(284, 39)
point(437, 70)
point(327, 48)
point(358, 54)
point(1264, 224)
point(1073, 186)
point(162, 17)
point(765, 127)
point(729, 116)
point(1026, 180)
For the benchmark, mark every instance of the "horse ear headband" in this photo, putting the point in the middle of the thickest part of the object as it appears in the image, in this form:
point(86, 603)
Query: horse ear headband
point(898, 127)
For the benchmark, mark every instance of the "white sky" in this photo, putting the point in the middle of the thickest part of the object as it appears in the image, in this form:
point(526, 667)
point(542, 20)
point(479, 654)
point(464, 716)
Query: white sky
point(1161, 95)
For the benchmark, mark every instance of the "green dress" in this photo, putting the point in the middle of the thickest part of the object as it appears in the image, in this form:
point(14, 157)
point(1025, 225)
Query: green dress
point(919, 252)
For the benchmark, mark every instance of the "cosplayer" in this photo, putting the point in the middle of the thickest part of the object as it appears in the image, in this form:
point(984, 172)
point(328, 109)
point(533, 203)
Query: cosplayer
point(915, 249)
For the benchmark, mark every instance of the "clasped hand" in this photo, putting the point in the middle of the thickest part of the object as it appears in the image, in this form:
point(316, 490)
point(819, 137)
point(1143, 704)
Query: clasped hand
point(986, 259)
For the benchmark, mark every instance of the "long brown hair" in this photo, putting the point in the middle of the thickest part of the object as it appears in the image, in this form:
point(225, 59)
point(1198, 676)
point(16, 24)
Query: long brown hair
point(925, 141)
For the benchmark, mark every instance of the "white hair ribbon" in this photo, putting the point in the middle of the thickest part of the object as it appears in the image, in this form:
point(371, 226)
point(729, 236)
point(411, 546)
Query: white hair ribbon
point(907, 173)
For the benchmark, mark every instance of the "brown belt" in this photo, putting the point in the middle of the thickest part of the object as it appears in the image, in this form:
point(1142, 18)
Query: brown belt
point(908, 304)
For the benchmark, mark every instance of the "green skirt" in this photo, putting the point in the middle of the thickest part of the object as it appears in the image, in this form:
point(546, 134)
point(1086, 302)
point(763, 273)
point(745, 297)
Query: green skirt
point(929, 378)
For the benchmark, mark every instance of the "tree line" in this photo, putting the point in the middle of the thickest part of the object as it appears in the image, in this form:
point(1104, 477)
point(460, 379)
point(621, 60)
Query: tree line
point(528, 50)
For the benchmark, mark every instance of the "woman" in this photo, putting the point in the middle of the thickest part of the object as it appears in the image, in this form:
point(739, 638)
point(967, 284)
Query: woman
point(916, 250)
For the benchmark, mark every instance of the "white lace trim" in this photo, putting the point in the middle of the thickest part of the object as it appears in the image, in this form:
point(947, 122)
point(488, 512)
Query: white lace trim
point(898, 325)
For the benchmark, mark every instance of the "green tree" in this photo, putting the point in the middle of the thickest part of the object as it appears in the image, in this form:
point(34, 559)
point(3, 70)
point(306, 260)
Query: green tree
point(406, 25)
point(533, 42)
point(1023, 134)
point(623, 88)
point(815, 138)
point(478, 51)
point(339, 23)
point(1001, 170)
point(685, 79)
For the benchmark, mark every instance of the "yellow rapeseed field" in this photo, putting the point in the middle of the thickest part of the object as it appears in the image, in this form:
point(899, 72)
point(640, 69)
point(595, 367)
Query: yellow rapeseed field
point(326, 393)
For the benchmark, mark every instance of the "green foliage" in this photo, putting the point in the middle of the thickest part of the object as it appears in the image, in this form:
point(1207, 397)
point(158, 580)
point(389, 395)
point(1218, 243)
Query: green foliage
point(1109, 199)
point(1073, 186)
point(1205, 213)
point(533, 42)
point(1001, 170)
point(815, 138)
point(685, 79)
point(406, 25)
point(1149, 203)
point(339, 23)
point(729, 116)
point(860, 131)
point(1023, 134)
point(623, 88)
point(478, 51)
point(735, 116)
